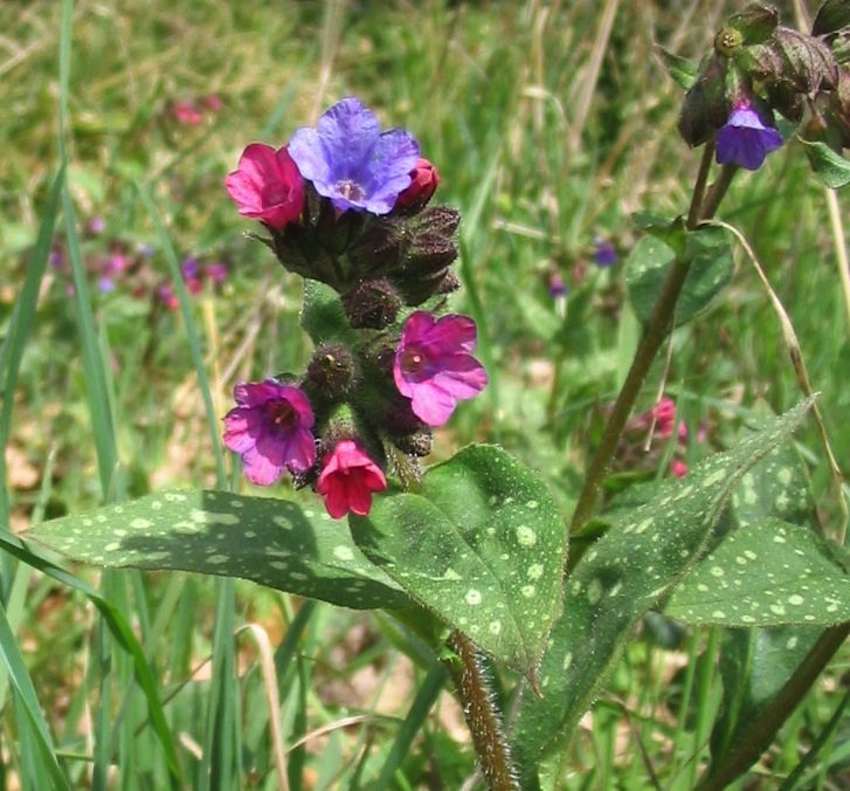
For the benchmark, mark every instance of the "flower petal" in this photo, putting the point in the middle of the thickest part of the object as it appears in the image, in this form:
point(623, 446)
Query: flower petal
point(432, 404)
point(348, 132)
point(307, 151)
point(462, 376)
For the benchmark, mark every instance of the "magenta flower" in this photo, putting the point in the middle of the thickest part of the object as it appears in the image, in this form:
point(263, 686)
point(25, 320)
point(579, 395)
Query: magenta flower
point(271, 428)
point(679, 468)
point(351, 161)
point(434, 366)
point(191, 271)
point(348, 479)
point(267, 186)
point(165, 294)
point(557, 287)
point(745, 139)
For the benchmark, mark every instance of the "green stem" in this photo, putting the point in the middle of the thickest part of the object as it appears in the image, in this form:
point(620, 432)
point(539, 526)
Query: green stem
point(482, 716)
point(760, 733)
point(656, 331)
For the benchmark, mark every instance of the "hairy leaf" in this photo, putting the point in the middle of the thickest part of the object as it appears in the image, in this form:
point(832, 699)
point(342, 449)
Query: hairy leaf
point(683, 71)
point(323, 316)
point(270, 541)
point(831, 168)
point(642, 557)
point(482, 544)
point(711, 271)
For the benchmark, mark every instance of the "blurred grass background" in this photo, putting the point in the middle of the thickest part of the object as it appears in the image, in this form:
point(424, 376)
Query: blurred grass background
point(551, 123)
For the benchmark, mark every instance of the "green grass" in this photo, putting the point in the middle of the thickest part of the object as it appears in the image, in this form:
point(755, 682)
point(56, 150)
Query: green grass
point(106, 396)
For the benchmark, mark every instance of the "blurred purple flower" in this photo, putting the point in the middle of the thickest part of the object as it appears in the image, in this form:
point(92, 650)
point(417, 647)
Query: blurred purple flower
point(57, 258)
point(165, 294)
point(557, 287)
point(187, 113)
point(191, 271)
point(96, 226)
point(271, 429)
point(105, 284)
point(434, 366)
point(116, 264)
point(352, 162)
point(217, 272)
point(746, 139)
point(604, 254)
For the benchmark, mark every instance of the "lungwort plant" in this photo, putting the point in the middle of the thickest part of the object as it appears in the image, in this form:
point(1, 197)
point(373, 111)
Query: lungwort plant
point(471, 554)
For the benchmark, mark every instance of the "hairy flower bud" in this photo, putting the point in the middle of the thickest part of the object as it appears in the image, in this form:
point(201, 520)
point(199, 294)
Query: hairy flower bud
point(705, 106)
point(417, 444)
point(330, 373)
point(379, 248)
point(727, 41)
point(372, 304)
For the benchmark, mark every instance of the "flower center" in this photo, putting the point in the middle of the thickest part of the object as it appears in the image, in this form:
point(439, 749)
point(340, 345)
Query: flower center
point(282, 415)
point(350, 190)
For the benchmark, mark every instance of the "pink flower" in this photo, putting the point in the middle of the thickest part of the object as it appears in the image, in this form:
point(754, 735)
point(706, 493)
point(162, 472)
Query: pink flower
point(212, 102)
point(271, 429)
point(217, 272)
point(664, 413)
point(679, 468)
point(187, 113)
point(424, 180)
point(434, 366)
point(165, 294)
point(348, 479)
point(267, 186)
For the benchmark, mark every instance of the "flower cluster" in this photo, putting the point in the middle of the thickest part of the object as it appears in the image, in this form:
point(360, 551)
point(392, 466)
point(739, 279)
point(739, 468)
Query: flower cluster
point(757, 68)
point(346, 203)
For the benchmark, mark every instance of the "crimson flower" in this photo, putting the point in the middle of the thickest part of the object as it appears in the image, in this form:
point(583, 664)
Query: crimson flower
point(348, 478)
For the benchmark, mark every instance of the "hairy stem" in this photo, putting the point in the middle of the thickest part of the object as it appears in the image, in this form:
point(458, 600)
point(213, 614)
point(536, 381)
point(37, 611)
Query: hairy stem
point(657, 327)
point(761, 732)
point(482, 716)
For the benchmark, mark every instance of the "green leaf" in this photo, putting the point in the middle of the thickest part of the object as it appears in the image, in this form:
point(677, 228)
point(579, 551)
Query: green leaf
point(642, 557)
point(322, 316)
point(831, 168)
point(770, 574)
point(831, 16)
point(683, 71)
point(270, 541)
point(711, 271)
point(482, 544)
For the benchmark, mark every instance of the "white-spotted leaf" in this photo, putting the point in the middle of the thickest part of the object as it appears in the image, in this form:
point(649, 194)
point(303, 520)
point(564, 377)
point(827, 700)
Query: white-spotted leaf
point(770, 574)
point(482, 545)
point(636, 564)
point(270, 541)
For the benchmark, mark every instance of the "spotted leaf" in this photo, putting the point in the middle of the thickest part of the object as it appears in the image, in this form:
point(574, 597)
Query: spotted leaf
point(482, 545)
point(770, 574)
point(270, 541)
point(632, 568)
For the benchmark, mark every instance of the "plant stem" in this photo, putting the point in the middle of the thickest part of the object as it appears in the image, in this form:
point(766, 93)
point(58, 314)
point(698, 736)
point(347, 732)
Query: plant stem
point(482, 716)
point(761, 732)
point(656, 331)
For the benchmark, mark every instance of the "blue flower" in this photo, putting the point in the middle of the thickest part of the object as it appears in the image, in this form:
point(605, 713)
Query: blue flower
point(604, 254)
point(351, 161)
point(745, 139)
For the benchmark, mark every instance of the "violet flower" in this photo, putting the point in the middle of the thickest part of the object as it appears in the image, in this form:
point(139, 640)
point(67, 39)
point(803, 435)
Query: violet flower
point(271, 428)
point(557, 287)
point(745, 139)
point(348, 479)
point(352, 162)
point(604, 254)
point(434, 366)
point(217, 272)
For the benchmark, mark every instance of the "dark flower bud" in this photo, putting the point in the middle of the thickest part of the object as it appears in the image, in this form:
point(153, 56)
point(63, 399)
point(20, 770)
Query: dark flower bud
point(429, 252)
point(330, 373)
point(379, 247)
point(449, 283)
point(372, 304)
point(440, 219)
point(705, 106)
point(755, 23)
point(416, 290)
point(417, 444)
point(423, 184)
point(807, 63)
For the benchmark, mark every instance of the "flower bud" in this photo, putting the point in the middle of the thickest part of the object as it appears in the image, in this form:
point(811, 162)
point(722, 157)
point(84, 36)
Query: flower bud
point(372, 304)
point(423, 184)
point(379, 247)
point(705, 106)
point(727, 41)
point(330, 373)
point(807, 63)
point(417, 444)
point(755, 24)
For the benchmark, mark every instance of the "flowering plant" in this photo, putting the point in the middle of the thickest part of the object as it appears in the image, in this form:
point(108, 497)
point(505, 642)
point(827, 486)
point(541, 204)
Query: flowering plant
point(470, 556)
